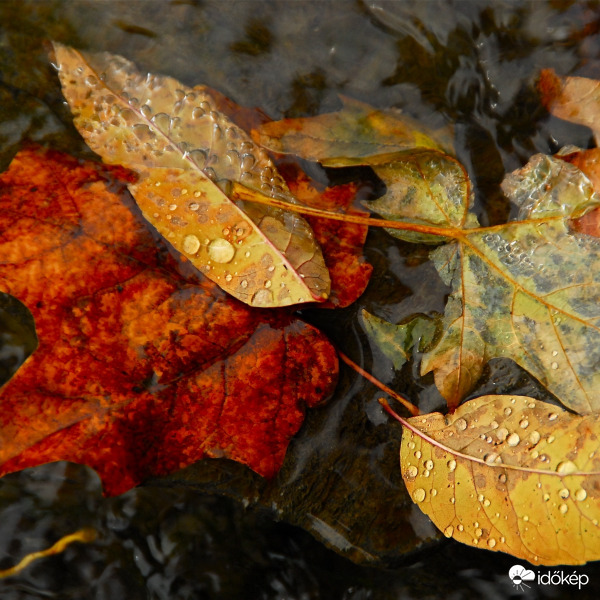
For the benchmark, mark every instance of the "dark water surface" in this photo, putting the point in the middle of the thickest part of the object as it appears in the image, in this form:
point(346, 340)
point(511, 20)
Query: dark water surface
point(216, 530)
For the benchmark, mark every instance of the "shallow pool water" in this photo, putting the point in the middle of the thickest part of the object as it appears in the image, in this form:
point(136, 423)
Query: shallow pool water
point(336, 522)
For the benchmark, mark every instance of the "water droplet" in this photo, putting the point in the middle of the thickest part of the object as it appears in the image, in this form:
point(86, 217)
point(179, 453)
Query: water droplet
point(563, 508)
point(479, 532)
point(451, 464)
point(486, 502)
point(146, 111)
point(426, 473)
point(554, 365)
point(554, 352)
point(526, 518)
point(91, 81)
point(162, 121)
point(490, 458)
point(565, 467)
point(221, 251)
point(228, 277)
point(460, 527)
point(247, 254)
point(412, 472)
point(429, 464)
point(460, 424)
point(534, 437)
point(449, 531)
point(491, 542)
point(172, 206)
point(434, 492)
point(552, 417)
point(494, 425)
point(580, 495)
point(452, 500)
point(262, 298)
point(128, 116)
point(546, 497)
point(419, 495)
point(191, 244)
point(550, 439)
point(418, 454)
point(513, 439)
point(564, 493)
point(524, 424)
point(198, 112)
point(142, 132)
point(244, 283)
point(501, 434)
point(508, 411)
point(502, 478)
point(480, 498)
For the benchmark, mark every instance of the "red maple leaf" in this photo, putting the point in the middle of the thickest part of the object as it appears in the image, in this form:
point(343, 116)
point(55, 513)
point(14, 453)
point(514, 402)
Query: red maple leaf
point(140, 370)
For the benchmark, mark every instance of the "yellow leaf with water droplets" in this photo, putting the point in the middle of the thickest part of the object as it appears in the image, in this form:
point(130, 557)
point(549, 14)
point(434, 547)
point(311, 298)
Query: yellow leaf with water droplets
point(510, 474)
point(187, 153)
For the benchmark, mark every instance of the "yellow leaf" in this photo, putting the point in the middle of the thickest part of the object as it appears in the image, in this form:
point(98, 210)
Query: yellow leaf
point(187, 154)
point(510, 474)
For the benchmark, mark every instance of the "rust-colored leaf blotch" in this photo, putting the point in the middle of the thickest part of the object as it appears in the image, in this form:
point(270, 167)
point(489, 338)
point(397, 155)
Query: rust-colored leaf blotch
point(139, 371)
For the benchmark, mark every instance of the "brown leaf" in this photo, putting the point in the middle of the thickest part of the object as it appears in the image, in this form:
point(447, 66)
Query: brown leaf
point(139, 371)
point(186, 153)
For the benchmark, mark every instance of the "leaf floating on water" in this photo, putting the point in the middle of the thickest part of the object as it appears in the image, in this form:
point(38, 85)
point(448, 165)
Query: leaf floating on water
point(186, 152)
point(510, 474)
point(355, 132)
point(139, 371)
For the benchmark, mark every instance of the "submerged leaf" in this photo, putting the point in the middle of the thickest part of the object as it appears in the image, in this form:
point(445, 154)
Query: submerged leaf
point(397, 341)
point(356, 131)
point(186, 152)
point(139, 371)
point(510, 474)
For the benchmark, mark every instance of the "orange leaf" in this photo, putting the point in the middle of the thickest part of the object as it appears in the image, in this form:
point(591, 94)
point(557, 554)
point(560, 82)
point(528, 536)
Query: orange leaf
point(139, 371)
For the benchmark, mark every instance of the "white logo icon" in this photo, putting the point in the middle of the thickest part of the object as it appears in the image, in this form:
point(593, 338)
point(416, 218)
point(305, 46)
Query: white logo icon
point(519, 575)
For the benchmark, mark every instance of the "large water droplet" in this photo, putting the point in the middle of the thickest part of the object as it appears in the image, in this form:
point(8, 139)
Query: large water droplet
point(563, 508)
point(580, 495)
point(460, 424)
point(146, 111)
point(491, 542)
point(449, 531)
point(162, 121)
point(451, 464)
point(412, 472)
point(524, 424)
point(262, 298)
point(419, 495)
point(565, 467)
point(221, 251)
point(534, 437)
point(429, 464)
point(513, 439)
point(564, 493)
point(191, 244)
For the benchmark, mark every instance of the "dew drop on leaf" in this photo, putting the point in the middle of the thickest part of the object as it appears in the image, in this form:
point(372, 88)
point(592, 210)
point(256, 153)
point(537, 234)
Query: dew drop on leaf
point(419, 495)
point(513, 439)
point(565, 467)
point(449, 531)
point(564, 493)
point(461, 424)
point(580, 495)
point(563, 508)
point(412, 472)
point(191, 244)
point(221, 251)
point(262, 298)
point(451, 465)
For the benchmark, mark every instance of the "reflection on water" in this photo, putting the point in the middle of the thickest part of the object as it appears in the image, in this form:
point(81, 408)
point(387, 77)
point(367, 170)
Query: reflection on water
point(470, 65)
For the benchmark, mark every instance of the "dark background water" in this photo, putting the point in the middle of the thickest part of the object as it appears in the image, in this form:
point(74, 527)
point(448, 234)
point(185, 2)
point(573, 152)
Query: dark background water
point(216, 530)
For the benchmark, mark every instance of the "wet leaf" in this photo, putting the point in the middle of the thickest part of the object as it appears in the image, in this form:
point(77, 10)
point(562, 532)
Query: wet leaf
point(139, 371)
point(397, 341)
point(510, 474)
point(425, 187)
point(186, 152)
point(356, 131)
point(526, 290)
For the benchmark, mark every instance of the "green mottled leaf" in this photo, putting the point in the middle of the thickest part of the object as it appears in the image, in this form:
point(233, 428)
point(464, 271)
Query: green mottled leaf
point(510, 474)
point(426, 187)
point(355, 132)
point(397, 341)
point(527, 290)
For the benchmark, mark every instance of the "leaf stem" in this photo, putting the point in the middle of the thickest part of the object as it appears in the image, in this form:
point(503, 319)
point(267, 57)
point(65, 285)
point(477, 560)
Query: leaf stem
point(241, 192)
point(414, 411)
